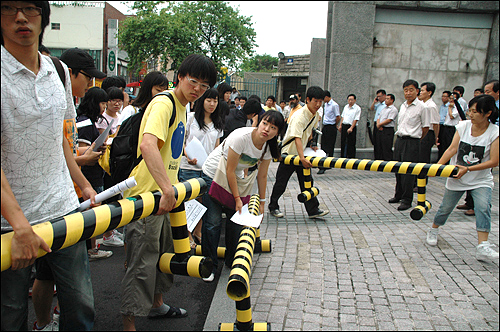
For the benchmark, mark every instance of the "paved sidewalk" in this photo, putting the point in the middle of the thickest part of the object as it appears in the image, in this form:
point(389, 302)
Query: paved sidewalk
point(367, 266)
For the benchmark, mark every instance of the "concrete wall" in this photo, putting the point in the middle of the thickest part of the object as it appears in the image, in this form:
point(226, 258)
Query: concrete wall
point(81, 27)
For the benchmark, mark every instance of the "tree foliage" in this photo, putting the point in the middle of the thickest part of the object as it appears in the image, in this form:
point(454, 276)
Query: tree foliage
point(260, 63)
point(212, 28)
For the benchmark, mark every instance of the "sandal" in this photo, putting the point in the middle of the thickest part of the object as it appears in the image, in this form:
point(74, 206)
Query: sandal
point(173, 312)
point(192, 243)
point(196, 238)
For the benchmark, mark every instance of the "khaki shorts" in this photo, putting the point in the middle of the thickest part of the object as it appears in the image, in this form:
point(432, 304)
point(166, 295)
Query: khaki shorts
point(146, 239)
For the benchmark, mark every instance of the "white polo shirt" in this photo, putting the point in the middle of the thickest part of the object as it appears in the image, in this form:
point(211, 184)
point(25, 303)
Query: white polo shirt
point(412, 118)
point(433, 112)
point(349, 114)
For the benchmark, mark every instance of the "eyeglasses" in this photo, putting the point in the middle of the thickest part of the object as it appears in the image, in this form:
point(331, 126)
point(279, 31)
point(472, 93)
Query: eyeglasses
point(116, 101)
point(28, 11)
point(195, 83)
point(86, 75)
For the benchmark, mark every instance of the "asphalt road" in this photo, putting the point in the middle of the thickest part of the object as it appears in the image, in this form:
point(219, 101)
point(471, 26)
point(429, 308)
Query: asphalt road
point(190, 293)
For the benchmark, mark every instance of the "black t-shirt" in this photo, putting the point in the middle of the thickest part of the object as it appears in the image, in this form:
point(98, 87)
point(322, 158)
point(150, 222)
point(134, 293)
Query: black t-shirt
point(88, 133)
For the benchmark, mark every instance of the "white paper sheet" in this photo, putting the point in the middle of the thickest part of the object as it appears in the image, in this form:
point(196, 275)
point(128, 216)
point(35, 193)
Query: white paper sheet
point(110, 192)
point(100, 140)
point(194, 211)
point(308, 152)
point(247, 219)
point(196, 150)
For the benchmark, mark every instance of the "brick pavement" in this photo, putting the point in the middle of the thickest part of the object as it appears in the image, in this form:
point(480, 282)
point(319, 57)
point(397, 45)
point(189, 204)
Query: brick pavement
point(367, 266)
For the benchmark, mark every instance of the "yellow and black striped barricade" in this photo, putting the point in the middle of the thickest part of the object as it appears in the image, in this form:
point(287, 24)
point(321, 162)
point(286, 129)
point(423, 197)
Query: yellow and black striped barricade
point(68, 230)
point(420, 169)
point(238, 285)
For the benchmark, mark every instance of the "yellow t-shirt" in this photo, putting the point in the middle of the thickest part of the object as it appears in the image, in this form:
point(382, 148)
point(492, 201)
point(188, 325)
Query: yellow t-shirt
point(296, 129)
point(156, 121)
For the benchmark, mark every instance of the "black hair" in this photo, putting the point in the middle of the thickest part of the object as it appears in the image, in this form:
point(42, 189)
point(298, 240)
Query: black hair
point(353, 95)
point(255, 97)
point(243, 98)
point(315, 92)
point(460, 89)
point(198, 67)
point(429, 86)
point(484, 104)
point(328, 94)
point(272, 98)
point(114, 93)
point(447, 92)
point(382, 91)
point(480, 90)
point(393, 98)
point(115, 81)
point(90, 103)
point(252, 106)
point(282, 101)
point(457, 95)
point(410, 82)
point(236, 98)
point(222, 89)
point(45, 17)
point(495, 84)
point(277, 119)
point(199, 111)
point(43, 48)
point(145, 95)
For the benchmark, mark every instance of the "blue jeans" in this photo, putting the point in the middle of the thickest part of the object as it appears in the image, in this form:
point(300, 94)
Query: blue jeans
point(482, 207)
point(70, 267)
point(210, 228)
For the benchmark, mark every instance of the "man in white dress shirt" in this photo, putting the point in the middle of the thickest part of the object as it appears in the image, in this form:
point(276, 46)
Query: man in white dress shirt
point(413, 125)
point(347, 126)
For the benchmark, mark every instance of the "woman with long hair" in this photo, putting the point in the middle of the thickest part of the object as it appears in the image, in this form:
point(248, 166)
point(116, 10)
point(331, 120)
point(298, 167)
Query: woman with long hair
point(205, 124)
point(115, 103)
point(249, 148)
point(474, 150)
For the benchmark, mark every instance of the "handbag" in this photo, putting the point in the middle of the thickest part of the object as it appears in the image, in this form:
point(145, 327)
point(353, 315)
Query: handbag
point(220, 190)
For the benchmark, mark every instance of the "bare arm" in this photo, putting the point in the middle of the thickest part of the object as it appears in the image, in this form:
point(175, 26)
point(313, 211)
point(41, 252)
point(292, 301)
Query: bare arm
point(232, 162)
point(25, 242)
point(262, 182)
point(76, 174)
point(150, 149)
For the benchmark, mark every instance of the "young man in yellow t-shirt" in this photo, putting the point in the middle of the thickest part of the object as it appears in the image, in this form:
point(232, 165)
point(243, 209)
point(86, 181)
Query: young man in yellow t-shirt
point(161, 148)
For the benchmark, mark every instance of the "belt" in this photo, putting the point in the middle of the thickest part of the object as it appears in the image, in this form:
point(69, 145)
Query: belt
point(407, 137)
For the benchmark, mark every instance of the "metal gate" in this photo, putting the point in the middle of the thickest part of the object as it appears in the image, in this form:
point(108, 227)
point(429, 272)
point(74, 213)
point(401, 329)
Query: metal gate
point(248, 87)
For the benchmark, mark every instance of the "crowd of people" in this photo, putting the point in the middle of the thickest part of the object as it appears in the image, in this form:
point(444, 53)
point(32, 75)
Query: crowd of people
point(46, 175)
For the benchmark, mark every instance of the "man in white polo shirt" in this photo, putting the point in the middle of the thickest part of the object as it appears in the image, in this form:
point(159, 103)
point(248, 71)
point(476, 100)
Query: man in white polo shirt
point(413, 125)
point(347, 126)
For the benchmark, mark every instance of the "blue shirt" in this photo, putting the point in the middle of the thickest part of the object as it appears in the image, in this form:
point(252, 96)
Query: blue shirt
point(331, 111)
point(378, 108)
point(496, 103)
point(443, 110)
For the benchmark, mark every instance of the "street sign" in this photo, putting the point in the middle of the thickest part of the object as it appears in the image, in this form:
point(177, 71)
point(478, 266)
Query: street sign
point(111, 61)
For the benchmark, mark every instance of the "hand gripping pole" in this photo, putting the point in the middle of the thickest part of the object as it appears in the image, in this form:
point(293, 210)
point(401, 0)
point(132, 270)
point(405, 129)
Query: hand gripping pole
point(238, 286)
point(66, 231)
point(420, 169)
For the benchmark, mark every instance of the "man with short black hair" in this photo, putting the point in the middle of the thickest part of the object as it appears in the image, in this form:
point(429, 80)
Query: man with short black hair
point(463, 103)
point(491, 88)
point(34, 105)
point(385, 127)
point(299, 132)
point(238, 118)
point(270, 104)
point(348, 127)
point(331, 116)
point(377, 105)
point(427, 90)
point(413, 125)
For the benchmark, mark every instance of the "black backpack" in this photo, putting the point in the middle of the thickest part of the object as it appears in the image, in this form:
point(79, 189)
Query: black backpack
point(123, 152)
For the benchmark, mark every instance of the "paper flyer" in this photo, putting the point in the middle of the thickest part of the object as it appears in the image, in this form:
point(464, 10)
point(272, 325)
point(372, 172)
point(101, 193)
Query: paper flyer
point(108, 193)
point(194, 211)
point(247, 219)
point(195, 149)
point(308, 152)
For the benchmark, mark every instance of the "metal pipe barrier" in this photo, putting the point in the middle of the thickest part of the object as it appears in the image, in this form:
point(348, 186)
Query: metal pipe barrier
point(66, 231)
point(420, 169)
point(238, 286)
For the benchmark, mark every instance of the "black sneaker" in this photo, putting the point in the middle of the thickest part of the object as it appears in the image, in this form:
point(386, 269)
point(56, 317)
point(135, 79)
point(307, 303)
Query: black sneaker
point(319, 214)
point(321, 171)
point(277, 213)
point(394, 200)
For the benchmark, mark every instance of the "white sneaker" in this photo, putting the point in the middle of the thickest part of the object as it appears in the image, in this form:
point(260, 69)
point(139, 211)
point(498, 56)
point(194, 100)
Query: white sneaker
point(432, 236)
point(52, 326)
point(485, 252)
point(95, 254)
point(55, 315)
point(121, 236)
point(210, 278)
point(112, 241)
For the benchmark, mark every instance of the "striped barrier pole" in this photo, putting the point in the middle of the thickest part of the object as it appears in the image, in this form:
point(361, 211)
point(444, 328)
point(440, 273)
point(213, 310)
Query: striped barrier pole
point(66, 231)
point(420, 169)
point(238, 286)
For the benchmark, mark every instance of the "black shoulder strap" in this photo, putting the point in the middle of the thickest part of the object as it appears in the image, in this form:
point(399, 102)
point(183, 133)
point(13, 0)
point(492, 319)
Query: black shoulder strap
point(174, 111)
point(291, 140)
point(60, 69)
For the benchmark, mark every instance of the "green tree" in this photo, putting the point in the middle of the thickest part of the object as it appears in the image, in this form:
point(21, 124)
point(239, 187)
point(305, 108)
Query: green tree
point(260, 63)
point(212, 28)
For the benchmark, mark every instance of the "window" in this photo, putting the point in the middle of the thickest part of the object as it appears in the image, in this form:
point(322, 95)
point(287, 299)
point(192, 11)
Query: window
point(56, 26)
